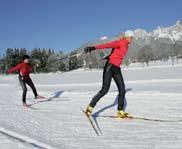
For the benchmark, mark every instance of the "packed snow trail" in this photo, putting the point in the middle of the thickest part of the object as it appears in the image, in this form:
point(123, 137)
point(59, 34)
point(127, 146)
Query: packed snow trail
point(26, 141)
point(60, 124)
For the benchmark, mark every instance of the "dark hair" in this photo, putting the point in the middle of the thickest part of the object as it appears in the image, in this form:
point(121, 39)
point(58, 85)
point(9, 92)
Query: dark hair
point(26, 57)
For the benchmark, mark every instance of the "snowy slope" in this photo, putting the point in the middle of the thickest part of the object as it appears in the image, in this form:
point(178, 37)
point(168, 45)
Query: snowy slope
point(59, 123)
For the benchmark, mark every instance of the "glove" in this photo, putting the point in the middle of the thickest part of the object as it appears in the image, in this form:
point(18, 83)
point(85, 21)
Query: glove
point(89, 49)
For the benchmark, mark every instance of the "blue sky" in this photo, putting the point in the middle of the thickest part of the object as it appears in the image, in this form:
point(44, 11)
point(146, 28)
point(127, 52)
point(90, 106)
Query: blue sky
point(67, 24)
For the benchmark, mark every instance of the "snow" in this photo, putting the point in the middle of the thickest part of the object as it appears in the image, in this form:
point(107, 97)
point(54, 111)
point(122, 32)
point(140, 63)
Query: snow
point(140, 33)
point(174, 32)
point(57, 122)
point(156, 64)
point(23, 139)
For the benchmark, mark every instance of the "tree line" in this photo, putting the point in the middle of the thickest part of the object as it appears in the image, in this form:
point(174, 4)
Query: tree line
point(39, 59)
point(47, 60)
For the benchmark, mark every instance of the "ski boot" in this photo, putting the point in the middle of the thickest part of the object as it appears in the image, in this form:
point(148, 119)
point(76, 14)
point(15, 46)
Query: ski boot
point(89, 110)
point(25, 105)
point(39, 97)
point(123, 114)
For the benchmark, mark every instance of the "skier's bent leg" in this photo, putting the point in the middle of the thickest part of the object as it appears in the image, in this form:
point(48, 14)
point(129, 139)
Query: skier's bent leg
point(30, 83)
point(118, 78)
point(107, 76)
point(98, 96)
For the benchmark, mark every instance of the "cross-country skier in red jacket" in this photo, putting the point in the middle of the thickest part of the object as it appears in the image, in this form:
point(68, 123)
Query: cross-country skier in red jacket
point(112, 70)
point(24, 68)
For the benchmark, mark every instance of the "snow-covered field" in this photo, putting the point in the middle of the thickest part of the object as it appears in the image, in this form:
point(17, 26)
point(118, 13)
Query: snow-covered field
point(58, 122)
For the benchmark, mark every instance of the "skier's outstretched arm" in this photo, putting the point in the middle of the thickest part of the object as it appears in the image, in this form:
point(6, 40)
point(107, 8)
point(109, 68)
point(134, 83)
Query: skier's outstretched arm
point(13, 69)
point(113, 44)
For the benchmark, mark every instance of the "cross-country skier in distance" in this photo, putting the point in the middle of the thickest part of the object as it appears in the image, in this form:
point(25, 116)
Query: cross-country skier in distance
point(24, 68)
point(112, 70)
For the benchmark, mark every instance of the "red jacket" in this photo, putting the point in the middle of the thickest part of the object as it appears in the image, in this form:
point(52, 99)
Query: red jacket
point(23, 68)
point(120, 48)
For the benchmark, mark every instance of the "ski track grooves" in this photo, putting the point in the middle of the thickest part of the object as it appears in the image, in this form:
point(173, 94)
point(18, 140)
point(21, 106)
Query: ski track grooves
point(24, 139)
point(100, 83)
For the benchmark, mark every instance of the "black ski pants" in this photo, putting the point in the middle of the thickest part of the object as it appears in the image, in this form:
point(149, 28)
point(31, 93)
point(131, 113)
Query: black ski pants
point(24, 87)
point(111, 71)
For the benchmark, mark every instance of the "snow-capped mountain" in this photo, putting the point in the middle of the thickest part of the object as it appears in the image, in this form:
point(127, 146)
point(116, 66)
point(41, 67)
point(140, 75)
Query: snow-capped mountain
point(142, 37)
point(164, 41)
point(140, 33)
point(174, 33)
